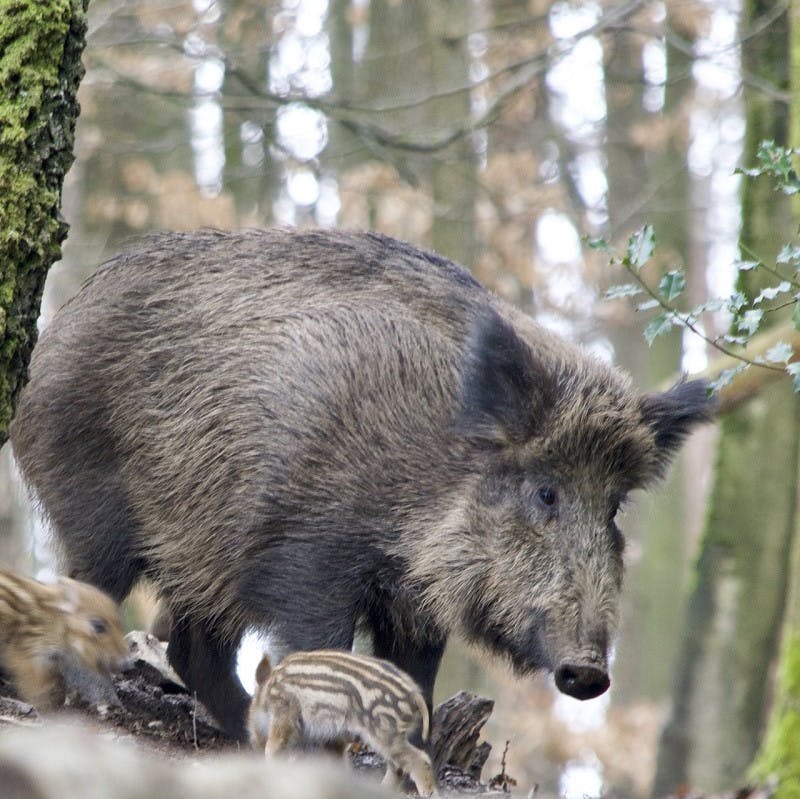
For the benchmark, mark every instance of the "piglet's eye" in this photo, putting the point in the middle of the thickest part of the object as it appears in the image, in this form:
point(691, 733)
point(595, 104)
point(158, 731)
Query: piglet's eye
point(547, 497)
point(99, 626)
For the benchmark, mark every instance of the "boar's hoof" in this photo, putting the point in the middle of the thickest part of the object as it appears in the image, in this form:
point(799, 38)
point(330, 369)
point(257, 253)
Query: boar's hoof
point(582, 682)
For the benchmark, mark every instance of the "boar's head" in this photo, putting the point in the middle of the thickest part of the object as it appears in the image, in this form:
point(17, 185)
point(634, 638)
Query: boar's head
point(531, 554)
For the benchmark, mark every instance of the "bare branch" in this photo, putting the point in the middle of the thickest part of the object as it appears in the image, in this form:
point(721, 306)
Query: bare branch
point(518, 76)
point(750, 382)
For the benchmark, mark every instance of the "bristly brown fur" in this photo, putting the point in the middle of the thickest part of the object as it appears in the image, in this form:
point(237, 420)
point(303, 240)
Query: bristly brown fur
point(47, 628)
point(305, 431)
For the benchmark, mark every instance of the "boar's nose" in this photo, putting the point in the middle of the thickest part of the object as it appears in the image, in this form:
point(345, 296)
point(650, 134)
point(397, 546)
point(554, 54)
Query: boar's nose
point(582, 682)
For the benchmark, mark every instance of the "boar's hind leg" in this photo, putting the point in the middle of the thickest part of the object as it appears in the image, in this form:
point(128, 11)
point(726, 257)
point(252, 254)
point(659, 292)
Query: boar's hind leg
point(96, 530)
point(207, 664)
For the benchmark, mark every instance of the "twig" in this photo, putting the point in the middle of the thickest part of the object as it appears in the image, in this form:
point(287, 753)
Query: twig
point(502, 780)
point(688, 321)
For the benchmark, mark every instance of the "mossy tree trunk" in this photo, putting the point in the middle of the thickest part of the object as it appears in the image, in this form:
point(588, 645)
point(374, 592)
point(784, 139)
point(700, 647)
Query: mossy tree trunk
point(735, 609)
point(40, 70)
point(779, 756)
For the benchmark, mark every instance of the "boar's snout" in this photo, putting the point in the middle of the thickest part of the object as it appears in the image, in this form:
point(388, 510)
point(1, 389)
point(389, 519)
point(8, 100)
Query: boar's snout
point(581, 681)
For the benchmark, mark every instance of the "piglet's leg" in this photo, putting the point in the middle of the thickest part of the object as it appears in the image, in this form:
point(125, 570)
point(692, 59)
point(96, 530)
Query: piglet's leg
point(416, 763)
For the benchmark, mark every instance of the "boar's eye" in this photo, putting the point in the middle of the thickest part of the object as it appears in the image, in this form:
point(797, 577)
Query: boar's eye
point(99, 626)
point(547, 497)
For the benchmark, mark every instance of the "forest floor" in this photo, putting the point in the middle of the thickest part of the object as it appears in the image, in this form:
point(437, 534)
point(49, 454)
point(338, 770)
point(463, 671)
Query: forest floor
point(152, 707)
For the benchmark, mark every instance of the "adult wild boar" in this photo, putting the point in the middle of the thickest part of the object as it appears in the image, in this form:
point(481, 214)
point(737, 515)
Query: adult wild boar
point(301, 431)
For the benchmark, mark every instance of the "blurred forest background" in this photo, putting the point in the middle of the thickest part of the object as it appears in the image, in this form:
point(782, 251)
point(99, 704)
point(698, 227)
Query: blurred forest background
point(502, 133)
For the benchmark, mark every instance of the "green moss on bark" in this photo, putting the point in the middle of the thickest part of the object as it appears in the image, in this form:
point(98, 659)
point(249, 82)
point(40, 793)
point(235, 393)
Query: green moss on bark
point(779, 758)
point(779, 755)
point(40, 70)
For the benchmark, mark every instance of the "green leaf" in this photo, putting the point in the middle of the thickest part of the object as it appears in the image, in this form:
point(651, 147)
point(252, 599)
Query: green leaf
point(749, 322)
point(648, 305)
point(791, 185)
point(640, 248)
point(774, 159)
point(739, 341)
point(658, 326)
point(771, 292)
point(796, 315)
point(714, 304)
point(672, 285)
point(794, 370)
point(789, 254)
point(777, 162)
point(736, 302)
point(623, 290)
point(780, 353)
point(726, 377)
point(599, 244)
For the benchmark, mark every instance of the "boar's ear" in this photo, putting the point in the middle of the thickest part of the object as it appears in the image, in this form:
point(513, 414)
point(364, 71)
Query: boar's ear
point(671, 415)
point(506, 390)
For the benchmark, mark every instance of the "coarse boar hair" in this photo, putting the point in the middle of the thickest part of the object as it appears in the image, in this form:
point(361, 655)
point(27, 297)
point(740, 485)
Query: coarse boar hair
point(302, 431)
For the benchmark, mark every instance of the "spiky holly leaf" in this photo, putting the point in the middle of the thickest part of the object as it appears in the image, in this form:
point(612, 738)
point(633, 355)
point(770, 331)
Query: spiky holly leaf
point(623, 290)
point(749, 322)
point(640, 248)
point(780, 353)
point(658, 326)
point(794, 370)
point(672, 285)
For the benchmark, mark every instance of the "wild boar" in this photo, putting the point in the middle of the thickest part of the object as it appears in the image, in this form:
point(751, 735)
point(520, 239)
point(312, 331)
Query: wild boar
point(50, 632)
point(302, 431)
point(329, 697)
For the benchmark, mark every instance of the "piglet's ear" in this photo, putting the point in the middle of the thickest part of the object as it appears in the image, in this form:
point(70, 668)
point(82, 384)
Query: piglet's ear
point(506, 391)
point(70, 600)
point(674, 413)
point(263, 670)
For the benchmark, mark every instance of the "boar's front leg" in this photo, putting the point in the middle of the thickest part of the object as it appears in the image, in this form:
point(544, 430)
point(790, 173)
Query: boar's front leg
point(207, 664)
point(417, 655)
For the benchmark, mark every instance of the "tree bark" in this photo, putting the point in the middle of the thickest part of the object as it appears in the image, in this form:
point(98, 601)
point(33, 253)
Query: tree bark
point(650, 625)
point(456, 726)
point(779, 756)
point(736, 606)
point(453, 174)
point(40, 70)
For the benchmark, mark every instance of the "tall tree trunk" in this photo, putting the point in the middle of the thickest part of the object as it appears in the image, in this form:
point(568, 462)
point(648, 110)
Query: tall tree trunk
point(453, 175)
point(40, 70)
point(735, 609)
point(651, 623)
point(415, 66)
point(779, 755)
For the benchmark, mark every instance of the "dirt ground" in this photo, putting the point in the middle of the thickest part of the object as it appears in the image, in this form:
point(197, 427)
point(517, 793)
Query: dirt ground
point(149, 703)
point(154, 708)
